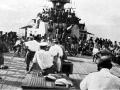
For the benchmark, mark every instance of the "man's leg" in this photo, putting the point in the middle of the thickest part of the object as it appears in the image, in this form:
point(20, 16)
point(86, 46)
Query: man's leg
point(1, 59)
point(93, 58)
point(29, 58)
point(28, 64)
point(27, 61)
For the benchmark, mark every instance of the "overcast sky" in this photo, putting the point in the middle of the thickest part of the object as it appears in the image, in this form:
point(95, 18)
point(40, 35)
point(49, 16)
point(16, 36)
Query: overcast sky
point(102, 17)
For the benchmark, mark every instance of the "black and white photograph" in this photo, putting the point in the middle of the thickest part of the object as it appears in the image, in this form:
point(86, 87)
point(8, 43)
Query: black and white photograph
point(59, 44)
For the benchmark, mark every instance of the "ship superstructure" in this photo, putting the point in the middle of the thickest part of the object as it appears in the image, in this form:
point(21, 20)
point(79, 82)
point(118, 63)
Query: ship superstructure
point(56, 22)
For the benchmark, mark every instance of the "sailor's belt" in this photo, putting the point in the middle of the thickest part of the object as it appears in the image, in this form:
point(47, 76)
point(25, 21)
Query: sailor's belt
point(32, 51)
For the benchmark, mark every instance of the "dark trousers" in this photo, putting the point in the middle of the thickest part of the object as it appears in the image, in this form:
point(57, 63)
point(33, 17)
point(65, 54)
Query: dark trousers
point(52, 70)
point(1, 59)
point(29, 57)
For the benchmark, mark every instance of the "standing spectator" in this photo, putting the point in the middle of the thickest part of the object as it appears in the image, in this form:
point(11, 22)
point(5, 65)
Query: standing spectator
point(17, 46)
point(75, 43)
point(117, 54)
point(115, 44)
point(3, 48)
point(95, 50)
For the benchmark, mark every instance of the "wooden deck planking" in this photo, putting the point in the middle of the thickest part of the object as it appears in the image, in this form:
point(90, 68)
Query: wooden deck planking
point(81, 70)
point(74, 79)
point(76, 67)
point(91, 67)
point(115, 71)
point(5, 81)
point(11, 82)
point(88, 69)
point(77, 75)
point(84, 68)
point(17, 82)
point(16, 72)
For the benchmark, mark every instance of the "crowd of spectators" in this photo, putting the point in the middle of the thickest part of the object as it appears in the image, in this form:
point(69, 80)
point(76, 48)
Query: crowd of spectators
point(88, 45)
point(59, 16)
point(9, 38)
point(85, 47)
point(82, 47)
point(59, 20)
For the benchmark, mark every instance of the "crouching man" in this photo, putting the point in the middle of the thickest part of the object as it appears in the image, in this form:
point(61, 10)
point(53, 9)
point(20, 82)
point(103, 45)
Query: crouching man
point(44, 60)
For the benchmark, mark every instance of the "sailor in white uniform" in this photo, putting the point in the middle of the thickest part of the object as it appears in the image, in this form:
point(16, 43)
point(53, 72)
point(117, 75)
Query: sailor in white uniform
point(43, 58)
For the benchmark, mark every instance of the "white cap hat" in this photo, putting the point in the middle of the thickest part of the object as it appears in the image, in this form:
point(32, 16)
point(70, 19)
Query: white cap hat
point(43, 44)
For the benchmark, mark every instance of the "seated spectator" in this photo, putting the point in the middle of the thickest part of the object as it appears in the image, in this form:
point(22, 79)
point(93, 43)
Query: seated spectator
point(44, 60)
point(103, 79)
point(57, 53)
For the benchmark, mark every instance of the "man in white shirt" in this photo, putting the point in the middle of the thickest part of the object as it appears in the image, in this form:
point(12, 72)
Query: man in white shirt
point(95, 50)
point(32, 46)
point(17, 46)
point(102, 80)
point(43, 58)
point(56, 52)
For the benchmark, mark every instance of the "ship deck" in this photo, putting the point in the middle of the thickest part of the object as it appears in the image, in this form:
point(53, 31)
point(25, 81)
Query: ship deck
point(12, 78)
